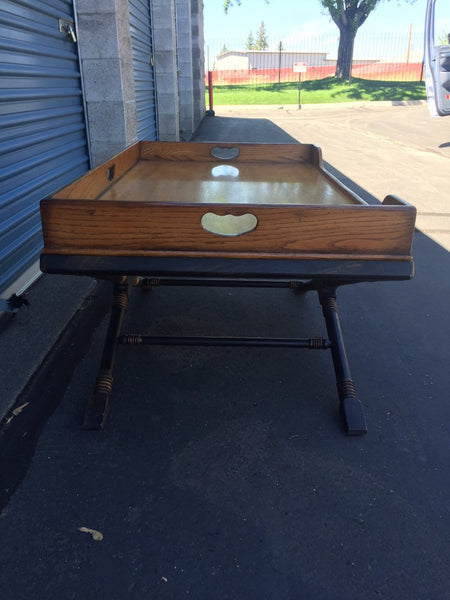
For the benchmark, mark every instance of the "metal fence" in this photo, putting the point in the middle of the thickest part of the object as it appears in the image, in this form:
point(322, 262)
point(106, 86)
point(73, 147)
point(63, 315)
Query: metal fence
point(384, 57)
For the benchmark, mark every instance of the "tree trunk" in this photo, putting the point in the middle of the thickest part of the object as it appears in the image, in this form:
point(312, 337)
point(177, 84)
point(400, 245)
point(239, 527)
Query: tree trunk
point(345, 53)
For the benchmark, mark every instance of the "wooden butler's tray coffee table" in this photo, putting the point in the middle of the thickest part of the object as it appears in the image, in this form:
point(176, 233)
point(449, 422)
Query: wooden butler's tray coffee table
point(224, 214)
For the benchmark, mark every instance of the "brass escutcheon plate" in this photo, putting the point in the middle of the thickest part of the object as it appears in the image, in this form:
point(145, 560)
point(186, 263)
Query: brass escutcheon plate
point(229, 225)
point(225, 153)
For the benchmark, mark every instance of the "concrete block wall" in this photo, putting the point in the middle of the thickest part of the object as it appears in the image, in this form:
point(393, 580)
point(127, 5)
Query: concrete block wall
point(104, 45)
point(198, 61)
point(185, 68)
point(179, 66)
point(165, 65)
point(106, 58)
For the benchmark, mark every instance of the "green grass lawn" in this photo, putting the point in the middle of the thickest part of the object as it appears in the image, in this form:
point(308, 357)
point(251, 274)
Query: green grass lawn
point(319, 91)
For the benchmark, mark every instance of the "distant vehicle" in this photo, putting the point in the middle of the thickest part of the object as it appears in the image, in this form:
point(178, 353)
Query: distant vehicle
point(437, 64)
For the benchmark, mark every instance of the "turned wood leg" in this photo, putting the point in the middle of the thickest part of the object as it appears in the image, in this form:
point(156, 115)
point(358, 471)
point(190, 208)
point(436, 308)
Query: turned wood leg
point(351, 410)
point(97, 407)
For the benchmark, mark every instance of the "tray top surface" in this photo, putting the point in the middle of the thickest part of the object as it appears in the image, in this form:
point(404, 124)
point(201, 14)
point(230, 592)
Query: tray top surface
point(229, 183)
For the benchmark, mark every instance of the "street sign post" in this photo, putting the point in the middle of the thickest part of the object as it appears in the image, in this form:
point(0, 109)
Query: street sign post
point(299, 67)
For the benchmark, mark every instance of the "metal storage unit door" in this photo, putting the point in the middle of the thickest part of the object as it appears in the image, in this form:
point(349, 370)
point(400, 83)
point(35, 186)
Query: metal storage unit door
point(144, 79)
point(43, 142)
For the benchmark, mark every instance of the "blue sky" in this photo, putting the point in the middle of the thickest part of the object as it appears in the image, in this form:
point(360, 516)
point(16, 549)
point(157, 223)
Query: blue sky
point(287, 18)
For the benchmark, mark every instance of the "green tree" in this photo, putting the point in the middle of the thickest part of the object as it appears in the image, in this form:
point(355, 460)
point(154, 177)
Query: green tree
point(348, 15)
point(262, 42)
point(250, 45)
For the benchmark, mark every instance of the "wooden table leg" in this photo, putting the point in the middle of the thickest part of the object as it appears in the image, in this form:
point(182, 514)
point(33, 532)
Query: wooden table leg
point(350, 407)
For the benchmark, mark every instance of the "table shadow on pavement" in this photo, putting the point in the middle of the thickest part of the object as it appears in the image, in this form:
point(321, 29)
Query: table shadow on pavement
point(237, 129)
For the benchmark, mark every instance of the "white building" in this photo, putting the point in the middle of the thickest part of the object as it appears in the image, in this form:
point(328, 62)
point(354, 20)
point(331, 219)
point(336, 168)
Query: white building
point(266, 59)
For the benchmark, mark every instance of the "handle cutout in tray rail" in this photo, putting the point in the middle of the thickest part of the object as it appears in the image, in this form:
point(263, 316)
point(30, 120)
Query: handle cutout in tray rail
point(229, 225)
point(110, 172)
point(225, 153)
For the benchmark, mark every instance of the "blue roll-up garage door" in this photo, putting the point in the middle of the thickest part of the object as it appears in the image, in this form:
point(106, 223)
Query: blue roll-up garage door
point(144, 79)
point(43, 142)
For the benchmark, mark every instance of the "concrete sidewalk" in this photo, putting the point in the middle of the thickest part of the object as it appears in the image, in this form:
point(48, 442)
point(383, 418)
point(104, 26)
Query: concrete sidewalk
point(223, 473)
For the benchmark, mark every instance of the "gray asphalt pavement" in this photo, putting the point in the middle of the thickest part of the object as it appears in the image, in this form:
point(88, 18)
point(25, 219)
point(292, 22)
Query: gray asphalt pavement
point(224, 473)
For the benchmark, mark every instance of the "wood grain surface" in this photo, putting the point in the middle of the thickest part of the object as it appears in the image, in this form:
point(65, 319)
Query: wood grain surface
point(260, 153)
point(150, 199)
point(243, 183)
point(136, 228)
